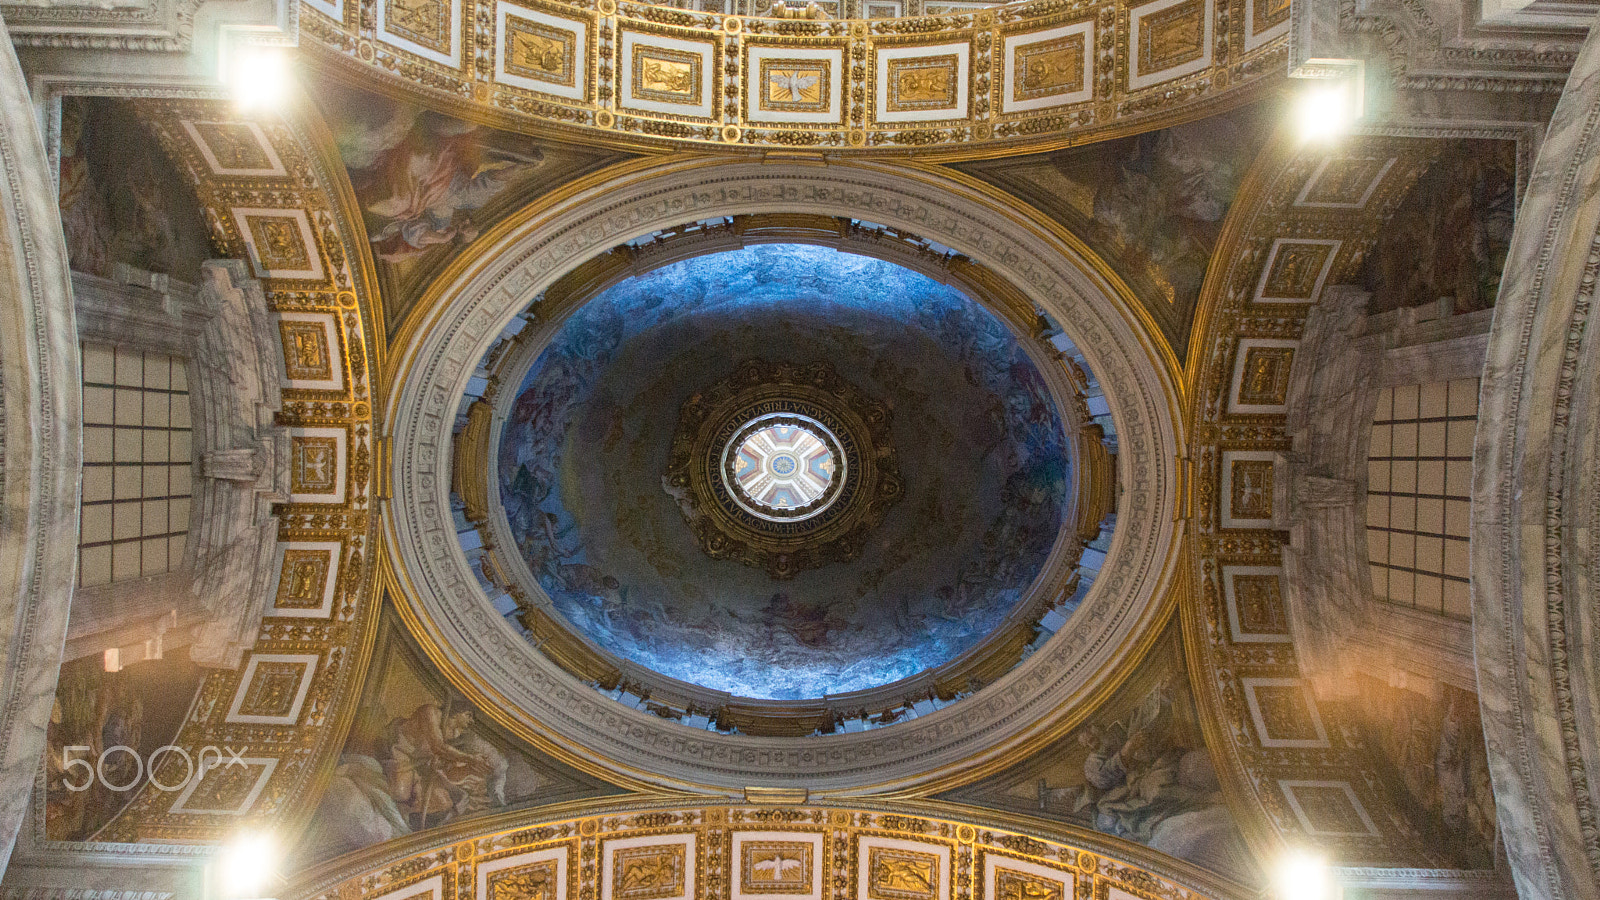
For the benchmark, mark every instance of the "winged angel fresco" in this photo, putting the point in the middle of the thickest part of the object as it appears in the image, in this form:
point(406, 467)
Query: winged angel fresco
point(1140, 781)
point(421, 176)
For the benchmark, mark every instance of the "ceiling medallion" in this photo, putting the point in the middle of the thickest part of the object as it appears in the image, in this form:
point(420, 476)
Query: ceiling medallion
point(782, 467)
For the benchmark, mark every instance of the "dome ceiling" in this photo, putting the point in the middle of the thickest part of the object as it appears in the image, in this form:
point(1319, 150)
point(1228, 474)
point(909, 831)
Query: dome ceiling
point(562, 583)
point(800, 488)
point(967, 422)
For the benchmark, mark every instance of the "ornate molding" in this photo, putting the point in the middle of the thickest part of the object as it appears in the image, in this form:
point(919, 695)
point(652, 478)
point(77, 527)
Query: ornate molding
point(41, 383)
point(80, 894)
point(1536, 505)
point(490, 660)
point(985, 102)
point(1478, 884)
point(164, 49)
point(964, 853)
point(159, 26)
point(1432, 45)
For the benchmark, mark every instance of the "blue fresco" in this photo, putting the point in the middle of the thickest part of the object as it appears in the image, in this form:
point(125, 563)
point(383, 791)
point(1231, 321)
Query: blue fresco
point(978, 439)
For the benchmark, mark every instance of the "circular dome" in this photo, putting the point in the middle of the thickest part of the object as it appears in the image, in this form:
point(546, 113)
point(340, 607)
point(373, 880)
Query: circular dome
point(783, 472)
point(783, 467)
point(500, 639)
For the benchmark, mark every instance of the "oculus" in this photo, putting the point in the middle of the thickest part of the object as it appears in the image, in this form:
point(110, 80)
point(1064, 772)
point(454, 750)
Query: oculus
point(783, 467)
point(1172, 36)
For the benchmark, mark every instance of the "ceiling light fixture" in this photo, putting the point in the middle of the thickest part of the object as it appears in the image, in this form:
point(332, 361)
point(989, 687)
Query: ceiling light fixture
point(245, 867)
point(1303, 875)
point(1325, 110)
point(1330, 98)
point(257, 77)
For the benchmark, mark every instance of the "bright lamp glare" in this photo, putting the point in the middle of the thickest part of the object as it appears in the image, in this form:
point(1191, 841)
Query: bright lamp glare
point(1304, 876)
point(246, 865)
point(1323, 111)
point(259, 78)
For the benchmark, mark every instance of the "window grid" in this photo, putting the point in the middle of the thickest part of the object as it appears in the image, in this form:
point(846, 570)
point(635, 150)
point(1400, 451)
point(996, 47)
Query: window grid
point(137, 464)
point(1419, 495)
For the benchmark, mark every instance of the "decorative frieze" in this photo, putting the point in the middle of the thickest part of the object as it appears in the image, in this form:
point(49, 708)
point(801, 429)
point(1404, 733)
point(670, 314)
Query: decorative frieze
point(778, 853)
point(967, 74)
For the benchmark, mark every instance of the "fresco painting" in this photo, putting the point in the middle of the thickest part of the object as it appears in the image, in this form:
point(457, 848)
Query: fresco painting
point(1428, 741)
point(1155, 202)
point(978, 440)
point(1137, 769)
point(121, 199)
point(419, 756)
point(422, 176)
point(1150, 205)
point(140, 707)
point(429, 184)
point(1450, 236)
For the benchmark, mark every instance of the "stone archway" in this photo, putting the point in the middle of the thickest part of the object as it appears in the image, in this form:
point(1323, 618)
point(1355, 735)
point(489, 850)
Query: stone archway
point(1536, 516)
point(41, 450)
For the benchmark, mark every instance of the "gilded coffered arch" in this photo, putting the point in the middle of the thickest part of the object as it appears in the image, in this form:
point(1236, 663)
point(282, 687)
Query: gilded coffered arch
point(1298, 252)
point(271, 193)
point(964, 82)
point(874, 849)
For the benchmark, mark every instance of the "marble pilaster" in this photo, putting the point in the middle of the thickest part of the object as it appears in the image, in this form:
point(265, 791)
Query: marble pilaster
point(244, 461)
point(1330, 399)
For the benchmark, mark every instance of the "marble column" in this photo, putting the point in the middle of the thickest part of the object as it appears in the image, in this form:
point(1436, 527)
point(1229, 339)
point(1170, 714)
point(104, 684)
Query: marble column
point(40, 374)
point(1536, 501)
